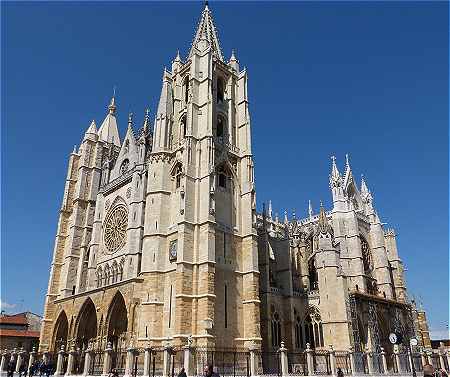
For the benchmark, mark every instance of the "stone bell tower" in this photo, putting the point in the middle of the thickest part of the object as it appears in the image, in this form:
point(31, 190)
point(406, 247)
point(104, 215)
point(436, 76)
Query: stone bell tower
point(199, 259)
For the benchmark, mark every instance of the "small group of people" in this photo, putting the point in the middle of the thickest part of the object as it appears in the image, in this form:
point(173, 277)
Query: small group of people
point(430, 371)
point(208, 371)
point(38, 368)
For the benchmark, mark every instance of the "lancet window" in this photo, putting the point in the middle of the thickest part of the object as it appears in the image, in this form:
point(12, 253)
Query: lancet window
point(220, 90)
point(312, 328)
point(276, 330)
point(366, 256)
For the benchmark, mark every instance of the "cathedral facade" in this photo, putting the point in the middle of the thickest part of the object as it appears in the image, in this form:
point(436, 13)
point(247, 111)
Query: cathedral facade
point(159, 240)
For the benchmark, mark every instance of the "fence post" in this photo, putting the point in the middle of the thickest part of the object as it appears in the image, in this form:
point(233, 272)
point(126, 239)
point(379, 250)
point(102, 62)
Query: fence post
point(410, 360)
point(397, 358)
point(107, 359)
point(383, 359)
point(70, 360)
point(283, 359)
point(441, 359)
point(351, 354)
point(253, 349)
point(166, 361)
point(33, 354)
point(59, 361)
point(188, 358)
point(19, 359)
point(309, 359)
point(3, 362)
point(129, 361)
point(369, 360)
point(147, 354)
point(332, 360)
point(87, 359)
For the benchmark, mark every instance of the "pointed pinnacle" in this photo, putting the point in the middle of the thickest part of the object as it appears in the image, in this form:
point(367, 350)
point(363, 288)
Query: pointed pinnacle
point(130, 120)
point(112, 105)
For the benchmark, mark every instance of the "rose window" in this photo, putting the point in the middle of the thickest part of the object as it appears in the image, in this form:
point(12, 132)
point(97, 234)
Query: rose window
point(115, 229)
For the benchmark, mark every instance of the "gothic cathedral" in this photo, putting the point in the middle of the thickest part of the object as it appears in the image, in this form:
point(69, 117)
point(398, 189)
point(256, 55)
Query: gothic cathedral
point(159, 240)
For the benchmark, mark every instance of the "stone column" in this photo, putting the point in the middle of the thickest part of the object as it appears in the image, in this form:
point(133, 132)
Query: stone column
point(20, 354)
point(423, 356)
point(166, 361)
point(3, 362)
point(283, 359)
point(253, 359)
point(369, 356)
point(309, 359)
point(59, 362)
point(441, 360)
point(147, 359)
point(70, 361)
point(410, 360)
point(33, 354)
point(188, 360)
point(332, 360)
point(383, 359)
point(107, 359)
point(352, 361)
point(88, 354)
point(397, 358)
point(129, 361)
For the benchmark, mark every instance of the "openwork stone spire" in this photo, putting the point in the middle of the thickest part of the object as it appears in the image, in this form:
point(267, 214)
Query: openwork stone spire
point(335, 176)
point(207, 31)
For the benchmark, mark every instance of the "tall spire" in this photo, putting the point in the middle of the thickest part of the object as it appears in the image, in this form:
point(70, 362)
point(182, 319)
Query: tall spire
point(270, 209)
point(108, 130)
point(335, 176)
point(348, 176)
point(324, 227)
point(364, 189)
point(146, 125)
point(207, 31)
point(310, 210)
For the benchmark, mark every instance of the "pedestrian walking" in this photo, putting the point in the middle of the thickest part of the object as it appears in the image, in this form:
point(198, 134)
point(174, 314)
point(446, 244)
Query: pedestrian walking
point(209, 371)
point(10, 369)
point(428, 370)
point(340, 373)
point(182, 373)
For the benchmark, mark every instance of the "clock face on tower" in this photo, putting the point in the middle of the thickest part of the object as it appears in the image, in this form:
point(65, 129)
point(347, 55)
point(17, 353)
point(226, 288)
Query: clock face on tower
point(115, 229)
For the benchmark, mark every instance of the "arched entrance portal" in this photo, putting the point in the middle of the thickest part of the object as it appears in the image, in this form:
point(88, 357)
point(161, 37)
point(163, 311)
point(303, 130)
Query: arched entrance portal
point(60, 332)
point(117, 322)
point(86, 324)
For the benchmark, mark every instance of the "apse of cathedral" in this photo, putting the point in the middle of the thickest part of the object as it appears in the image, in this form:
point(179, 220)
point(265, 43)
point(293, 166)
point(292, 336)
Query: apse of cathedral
point(159, 240)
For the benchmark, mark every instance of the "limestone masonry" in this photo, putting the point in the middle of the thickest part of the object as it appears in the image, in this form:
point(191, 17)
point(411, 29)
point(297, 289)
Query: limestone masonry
point(159, 240)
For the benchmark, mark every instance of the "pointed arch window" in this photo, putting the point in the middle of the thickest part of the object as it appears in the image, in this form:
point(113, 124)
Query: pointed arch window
point(220, 90)
point(186, 89)
point(177, 176)
point(183, 127)
point(124, 166)
point(220, 128)
point(313, 276)
point(313, 330)
point(366, 256)
point(276, 330)
point(298, 333)
point(99, 277)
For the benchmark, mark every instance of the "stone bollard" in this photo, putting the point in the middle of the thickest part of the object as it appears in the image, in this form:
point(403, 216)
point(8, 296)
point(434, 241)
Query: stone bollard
point(253, 349)
point(107, 359)
point(88, 355)
point(410, 360)
point(166, 361)
point(351, 354)
point(332, 360)
point(3, 362)
point(441, 359)
point(129, 361)
point(383, 359)
point(397, 358)
point(369, 356)
point(71, 361)
point(188, 360)
point(33, 354)
point(59, 362)
point(147, 359)
point(283, 359)
point(423, 357)
point(309, 359)
point(20, 356)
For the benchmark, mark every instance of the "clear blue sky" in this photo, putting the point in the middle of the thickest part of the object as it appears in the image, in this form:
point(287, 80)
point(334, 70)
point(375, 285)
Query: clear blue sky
point(368, 79)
